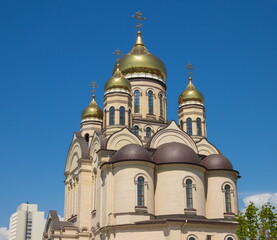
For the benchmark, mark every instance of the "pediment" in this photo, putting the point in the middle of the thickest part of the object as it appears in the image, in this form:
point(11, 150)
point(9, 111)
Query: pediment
point(172, 133)
point(122, 138)
point(206, 148)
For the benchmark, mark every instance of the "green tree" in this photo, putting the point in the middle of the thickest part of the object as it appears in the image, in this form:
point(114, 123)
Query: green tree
point(254, 224)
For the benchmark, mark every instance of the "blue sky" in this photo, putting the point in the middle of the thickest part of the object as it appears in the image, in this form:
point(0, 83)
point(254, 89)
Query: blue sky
point(51, 50)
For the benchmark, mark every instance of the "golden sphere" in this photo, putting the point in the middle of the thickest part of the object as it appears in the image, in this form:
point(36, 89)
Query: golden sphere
point(92, 111)
point(191, 94)
point(141, 60)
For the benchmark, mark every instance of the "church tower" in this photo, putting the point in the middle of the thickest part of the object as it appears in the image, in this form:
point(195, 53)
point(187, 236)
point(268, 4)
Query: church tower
point(191, 112)
point(117, 103)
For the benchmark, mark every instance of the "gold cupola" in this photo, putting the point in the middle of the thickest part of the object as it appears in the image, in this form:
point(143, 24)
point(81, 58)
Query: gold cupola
point(191, 94)
point(92, 111)
point(118, 81)
point(140, 60)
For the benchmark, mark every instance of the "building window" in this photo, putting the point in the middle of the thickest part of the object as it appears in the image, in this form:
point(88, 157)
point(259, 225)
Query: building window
point(150, 102)
point(111, 115)
point(122, 115)
point(227, 189)
point(181, 124)
point(189, 193)
point(140, 190)
point(199, 127)
point(129, 117)
point(161, 105)
point(137, 101)
point(148, 132)
point(192, 238)
point(136, 130)
point(230, 238)
point(189, 126)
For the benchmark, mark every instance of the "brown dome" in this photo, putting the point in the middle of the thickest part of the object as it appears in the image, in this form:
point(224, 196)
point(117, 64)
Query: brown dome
point(217, 161)
point(131, 152)
point(175, 153)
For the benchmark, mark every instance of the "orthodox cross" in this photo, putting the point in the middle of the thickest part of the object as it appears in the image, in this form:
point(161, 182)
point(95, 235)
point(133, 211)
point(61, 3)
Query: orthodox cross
point(118, 53)
point(93, 85)
point(139, 17)
point(190, 68)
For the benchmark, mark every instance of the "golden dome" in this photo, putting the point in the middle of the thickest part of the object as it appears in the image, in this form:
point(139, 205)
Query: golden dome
point(141, 60)
point(92, 111)
point(118, 81)
point(191, 94)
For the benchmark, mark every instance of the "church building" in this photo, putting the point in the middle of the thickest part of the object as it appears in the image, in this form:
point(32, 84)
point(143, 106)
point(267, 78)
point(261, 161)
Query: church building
point(130, 174)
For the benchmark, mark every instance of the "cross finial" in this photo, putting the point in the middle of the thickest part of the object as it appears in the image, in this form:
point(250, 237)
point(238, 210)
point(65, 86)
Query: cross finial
point(190, 68)
point(93, 85)
point(118, 53)
point(139, 17)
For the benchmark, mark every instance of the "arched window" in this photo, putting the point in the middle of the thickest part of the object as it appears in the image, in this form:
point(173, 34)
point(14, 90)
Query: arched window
point(148, 132)
point(192, 238)
point(230, 238)
point(87, 137)
point(189, 193)
point(140, 191)
point(199, 127)
point(181, 124)
point(136, 130)
point(111, 115)
point(189, 126)
point(122, 115)
point(161, 105)
point(227, 189)
point(150, 102)
point(137, 101)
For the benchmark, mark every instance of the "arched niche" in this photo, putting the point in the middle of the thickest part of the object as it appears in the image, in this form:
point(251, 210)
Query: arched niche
point(206, 148)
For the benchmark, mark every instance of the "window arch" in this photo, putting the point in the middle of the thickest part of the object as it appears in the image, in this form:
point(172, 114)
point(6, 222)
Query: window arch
point(136, 101)
point(136, 130)
point(161, 105)
point(111, 115)
point(122, 115)
point(199, 127)
point(227, 190)
point(148, 132)
point(150, 102)
point(189, 201)
point(189, 126)
point(140, 191)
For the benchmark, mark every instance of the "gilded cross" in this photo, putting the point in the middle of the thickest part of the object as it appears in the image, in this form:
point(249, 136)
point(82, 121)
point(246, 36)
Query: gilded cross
point(190, 68)
point(139, 17)
point(118, 53)
point(93, 85)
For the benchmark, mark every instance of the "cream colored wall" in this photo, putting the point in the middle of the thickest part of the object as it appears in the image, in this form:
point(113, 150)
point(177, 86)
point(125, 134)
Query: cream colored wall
point(170, 196)
point(215, 206)
point(144, 86)
point(193, 111)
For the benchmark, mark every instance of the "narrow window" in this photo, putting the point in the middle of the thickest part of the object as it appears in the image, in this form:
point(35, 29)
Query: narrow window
point(150, 102)
point(161, 106)
point(148, 132)
point(129, 117)
point(111, 115)
point(137, 101)
point(87, 137)
point(199, 127)
point(189, 126)
point(189, 193)
point(227, 189)
point(122, 115)
point(136, 130)
point(181, 124)
point(140, 191)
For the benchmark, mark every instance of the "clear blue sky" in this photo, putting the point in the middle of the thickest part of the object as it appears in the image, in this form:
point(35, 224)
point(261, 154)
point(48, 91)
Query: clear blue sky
point(51, 50)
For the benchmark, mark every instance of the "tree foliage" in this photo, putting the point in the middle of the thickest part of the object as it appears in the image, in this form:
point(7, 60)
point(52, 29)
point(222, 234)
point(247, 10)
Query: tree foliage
point(256, 224)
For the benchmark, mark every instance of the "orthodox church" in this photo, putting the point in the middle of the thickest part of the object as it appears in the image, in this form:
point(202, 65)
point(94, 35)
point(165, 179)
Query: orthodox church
point(132, 174)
